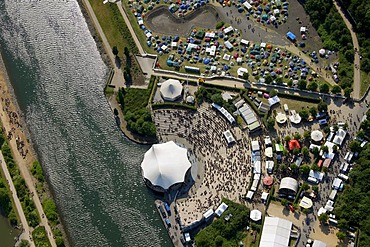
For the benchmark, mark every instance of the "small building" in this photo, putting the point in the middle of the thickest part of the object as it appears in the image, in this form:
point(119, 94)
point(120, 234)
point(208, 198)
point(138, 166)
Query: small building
point(229, 137)
point(221, 209)
point(228, 30)
point(255, 146)
point(263, 107)
point(318, 243)
point(288, 186)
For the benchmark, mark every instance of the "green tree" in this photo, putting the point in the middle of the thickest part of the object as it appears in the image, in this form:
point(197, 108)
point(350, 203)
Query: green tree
point(284, 202)
point(307, 135)
point(305, 186)
point(305, 211)
point(325, 149)
point(313, 111)
point(324, 88)
point(323, 218)
point(315, 151)
point(355, 146)
point(273, 93)
point(312, 86)
point(302, 84)
point(341, 235)
point(217, 99)
point(279, 80)
point(268, 79)
point(297, 136)
point(315, 188)
point(326, 129)
point(304, 169)
point(304, 114)
point(347, 92)
point(315, 167)
point(115, 50)
point(24, 243)
point(336, 89)
point(245, 76)
point(287, 138)
point(305, 152)
point(322, 106)
point(290, 83)
point(295, 151)
point(270, 123)
point(342, 224)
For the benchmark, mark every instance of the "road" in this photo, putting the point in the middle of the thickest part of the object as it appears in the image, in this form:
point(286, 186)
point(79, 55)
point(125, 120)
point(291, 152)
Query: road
point(118, 79)
point(18, 207)
point(356, 64)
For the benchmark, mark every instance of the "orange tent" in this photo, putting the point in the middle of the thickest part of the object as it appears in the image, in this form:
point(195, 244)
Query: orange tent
point(294, 144)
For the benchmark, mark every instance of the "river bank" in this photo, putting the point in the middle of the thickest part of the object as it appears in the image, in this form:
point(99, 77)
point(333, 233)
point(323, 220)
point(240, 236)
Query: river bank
point(15, 126)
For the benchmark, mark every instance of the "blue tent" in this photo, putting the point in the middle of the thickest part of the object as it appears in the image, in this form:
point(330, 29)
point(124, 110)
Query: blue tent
point(291, 36)
point(206, 61)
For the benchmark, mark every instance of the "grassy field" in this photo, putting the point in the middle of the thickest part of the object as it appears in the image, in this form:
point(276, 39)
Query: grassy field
point(114, 26)
point(365, 82)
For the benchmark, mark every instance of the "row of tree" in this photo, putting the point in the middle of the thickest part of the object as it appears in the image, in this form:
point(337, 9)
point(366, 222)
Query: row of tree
point(335, 36)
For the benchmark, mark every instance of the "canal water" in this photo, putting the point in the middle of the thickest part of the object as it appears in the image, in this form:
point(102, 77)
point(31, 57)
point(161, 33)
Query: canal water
point(7, 233)
point(58, 78)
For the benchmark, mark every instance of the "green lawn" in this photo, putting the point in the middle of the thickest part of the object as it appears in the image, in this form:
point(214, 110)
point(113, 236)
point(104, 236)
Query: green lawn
point(114, 26)
point(365, 82)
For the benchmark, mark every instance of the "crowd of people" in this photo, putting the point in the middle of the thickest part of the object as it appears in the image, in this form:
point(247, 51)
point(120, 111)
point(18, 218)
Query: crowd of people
point(15, 124)
point(223, 171)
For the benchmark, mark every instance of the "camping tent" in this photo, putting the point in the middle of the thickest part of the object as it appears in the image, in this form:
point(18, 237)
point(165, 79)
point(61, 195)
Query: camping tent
point(291, 36)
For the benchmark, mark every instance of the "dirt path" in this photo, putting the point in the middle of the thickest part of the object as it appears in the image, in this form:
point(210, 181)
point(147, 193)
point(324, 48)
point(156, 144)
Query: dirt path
point(8, 108)
point(356, 64)
point(18, 207)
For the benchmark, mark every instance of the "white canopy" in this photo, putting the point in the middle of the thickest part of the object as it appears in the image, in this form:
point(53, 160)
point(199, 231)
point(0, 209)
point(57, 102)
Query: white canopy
point(222, 208)
point(306, 202)
point(255, 215)
point(289, 183)
point(316, 135)
point(281, 118)
point(268, 152)
point(165, 164)
point(275, 232)
point(171, 89)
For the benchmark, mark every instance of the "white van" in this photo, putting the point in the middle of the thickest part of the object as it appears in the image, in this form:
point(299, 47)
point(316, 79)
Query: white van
point(342, 176)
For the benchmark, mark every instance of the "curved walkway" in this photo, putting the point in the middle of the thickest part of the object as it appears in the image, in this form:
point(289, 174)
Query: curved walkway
point(18, 207)
point(356, 65)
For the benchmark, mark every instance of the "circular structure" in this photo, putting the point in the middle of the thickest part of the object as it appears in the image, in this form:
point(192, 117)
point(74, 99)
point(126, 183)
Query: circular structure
point(255, 215)
point(267, 181)
point(171, 90)
point(288, 186)
point(281, 118)
point(316, 135)
point(190, 99)
point(306, 203)
point(165, 165)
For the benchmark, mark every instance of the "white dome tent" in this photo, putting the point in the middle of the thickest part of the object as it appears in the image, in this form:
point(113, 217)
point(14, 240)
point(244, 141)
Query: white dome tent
point(171, 90)
point(164, 165)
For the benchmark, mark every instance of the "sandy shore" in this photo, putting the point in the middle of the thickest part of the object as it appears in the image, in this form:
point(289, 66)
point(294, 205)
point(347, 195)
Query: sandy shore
point(20, 143)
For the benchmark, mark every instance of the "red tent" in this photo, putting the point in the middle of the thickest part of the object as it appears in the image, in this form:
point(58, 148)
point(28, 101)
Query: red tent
point(267, 181)
point(294, 144)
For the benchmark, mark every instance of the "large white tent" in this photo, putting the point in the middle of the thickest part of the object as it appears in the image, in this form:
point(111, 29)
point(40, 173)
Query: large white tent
point(316, 135)
point(275, 232)
point(255, 215)
point(165, 164)
point(171, 89)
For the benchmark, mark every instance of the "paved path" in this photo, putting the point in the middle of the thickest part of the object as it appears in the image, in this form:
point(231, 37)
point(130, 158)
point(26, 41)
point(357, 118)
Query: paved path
point(118, 79)
point(132, 31)
point(356, 65)
point(18, 207)
point(25, 173)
